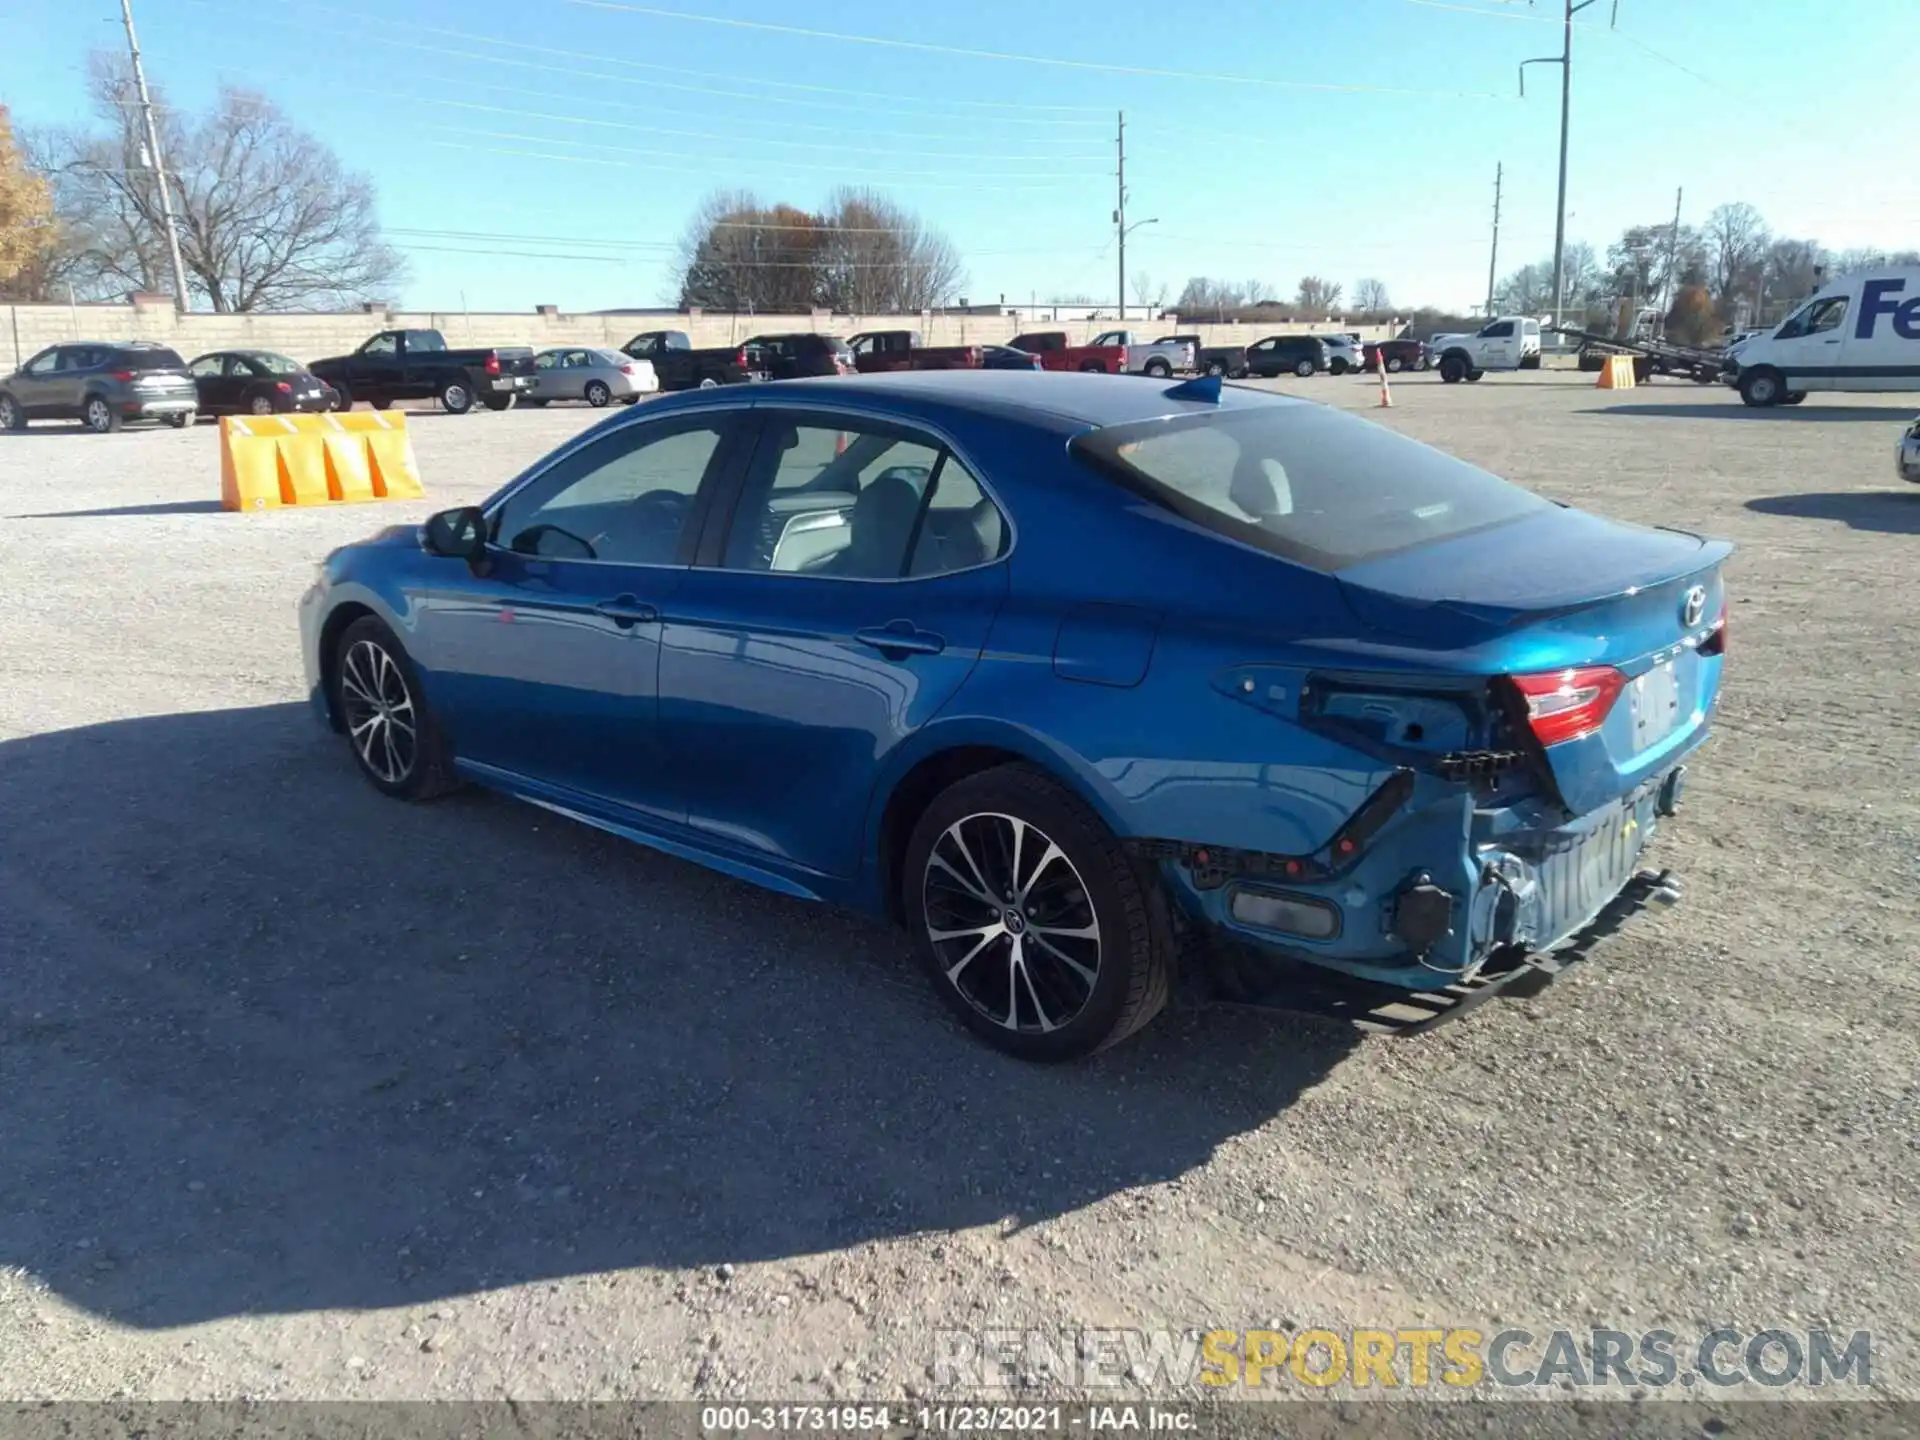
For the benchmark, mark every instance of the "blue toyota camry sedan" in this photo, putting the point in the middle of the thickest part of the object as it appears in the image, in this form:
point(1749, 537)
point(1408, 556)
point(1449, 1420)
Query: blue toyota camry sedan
point(1087, 682)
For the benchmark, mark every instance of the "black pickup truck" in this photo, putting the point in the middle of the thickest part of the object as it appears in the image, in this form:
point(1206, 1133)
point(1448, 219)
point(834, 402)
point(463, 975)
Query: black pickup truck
point(417, 365)
point(678, 366)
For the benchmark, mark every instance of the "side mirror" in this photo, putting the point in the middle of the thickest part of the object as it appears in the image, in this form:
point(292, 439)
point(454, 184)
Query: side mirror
point(457, 534)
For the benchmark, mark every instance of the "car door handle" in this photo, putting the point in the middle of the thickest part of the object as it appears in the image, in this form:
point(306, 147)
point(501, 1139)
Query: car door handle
point(901, 637)
point(625, 610)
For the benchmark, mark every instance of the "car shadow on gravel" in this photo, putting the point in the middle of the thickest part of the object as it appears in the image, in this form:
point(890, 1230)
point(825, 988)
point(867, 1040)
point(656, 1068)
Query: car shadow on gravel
point(1878, 415)
point(166, 507)
point(1891, 512)
point(271, 1043)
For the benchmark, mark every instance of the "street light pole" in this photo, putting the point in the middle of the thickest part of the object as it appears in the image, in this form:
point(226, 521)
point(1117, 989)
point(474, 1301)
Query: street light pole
point(1120, 210)
point(159, 162)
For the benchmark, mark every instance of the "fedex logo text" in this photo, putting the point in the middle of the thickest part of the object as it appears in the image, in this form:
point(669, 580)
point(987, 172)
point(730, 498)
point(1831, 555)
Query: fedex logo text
point(1877, 299)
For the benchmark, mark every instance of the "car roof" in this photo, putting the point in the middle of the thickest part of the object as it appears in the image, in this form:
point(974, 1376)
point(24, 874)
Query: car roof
point(1058, 400)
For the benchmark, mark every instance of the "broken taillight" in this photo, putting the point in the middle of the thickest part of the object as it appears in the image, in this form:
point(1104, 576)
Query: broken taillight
point(1716, 641)
point(1567, 704)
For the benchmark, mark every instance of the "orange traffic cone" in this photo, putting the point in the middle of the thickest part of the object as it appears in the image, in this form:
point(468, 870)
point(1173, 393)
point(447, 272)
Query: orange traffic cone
point(1386, 395)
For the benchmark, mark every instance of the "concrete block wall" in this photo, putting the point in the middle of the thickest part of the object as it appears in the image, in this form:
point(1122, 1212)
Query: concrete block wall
point(27, 329)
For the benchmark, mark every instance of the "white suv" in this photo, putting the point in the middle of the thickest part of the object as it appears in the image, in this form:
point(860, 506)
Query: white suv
point(1342, 354)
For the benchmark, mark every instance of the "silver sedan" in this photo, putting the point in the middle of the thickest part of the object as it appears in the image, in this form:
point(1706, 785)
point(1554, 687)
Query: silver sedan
point(596, 376)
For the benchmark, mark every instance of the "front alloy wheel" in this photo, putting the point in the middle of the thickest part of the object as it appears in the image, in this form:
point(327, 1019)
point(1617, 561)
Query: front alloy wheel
point(395, 739)
point(1035, 926)
point(12, 416)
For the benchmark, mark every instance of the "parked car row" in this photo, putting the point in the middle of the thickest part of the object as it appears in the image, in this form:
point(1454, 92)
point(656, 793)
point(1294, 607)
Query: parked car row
point(106, 384)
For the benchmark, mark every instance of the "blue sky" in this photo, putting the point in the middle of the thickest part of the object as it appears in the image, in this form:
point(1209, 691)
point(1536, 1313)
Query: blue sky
point(583, 132)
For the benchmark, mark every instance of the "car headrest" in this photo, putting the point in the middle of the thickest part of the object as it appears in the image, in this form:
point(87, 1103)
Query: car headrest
point(1253, 489)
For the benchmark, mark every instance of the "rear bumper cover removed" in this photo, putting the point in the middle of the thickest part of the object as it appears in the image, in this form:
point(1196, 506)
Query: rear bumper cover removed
point(1390, 1010)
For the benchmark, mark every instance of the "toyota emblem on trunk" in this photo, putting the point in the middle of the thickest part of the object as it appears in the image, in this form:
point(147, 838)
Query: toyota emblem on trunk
point(1694, 606)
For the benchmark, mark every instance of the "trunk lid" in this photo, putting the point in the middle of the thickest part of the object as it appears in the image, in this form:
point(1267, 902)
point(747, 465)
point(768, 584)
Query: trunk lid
point(1611, 636)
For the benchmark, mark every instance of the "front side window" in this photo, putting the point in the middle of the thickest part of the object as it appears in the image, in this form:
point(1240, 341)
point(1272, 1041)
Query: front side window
point(629, 499)
point(1309, 484)
point(1499, 330)
point(45, 363)
point(859, 503)
point(428, 340)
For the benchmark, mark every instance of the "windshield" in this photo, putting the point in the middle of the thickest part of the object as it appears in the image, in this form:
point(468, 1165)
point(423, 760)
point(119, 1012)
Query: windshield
point(1306, 483)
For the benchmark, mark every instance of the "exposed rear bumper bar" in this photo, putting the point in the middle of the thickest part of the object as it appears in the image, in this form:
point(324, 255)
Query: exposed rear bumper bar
point(1388, 1010)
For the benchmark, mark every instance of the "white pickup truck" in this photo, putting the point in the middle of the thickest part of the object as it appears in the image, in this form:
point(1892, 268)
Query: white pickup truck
point(1161, 357)
point(1510, 343)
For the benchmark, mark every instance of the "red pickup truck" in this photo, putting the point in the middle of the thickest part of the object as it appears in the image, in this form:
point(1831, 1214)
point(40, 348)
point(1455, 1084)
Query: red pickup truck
point(876, 352)
point(1056, 354)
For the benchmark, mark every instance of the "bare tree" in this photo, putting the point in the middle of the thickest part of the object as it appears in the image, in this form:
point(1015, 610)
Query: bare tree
point(269, 218)
point(1318, 295)
point(1371, 295)
point(880, 258)
point(1736, 242)
point(1148, 292)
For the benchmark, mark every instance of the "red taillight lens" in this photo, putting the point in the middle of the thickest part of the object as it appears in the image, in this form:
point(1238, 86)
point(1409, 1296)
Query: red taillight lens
point(1567, 704)
point(741, 359)
point(283, 387)
point(628, 370)
point(493, 364)
point(123, 376)
point(1716, 641)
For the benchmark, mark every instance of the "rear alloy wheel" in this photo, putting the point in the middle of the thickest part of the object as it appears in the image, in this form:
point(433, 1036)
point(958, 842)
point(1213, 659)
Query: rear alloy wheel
point(707, 382)
point(100, 417)
point(1033, 923)
point(395, 739)
point(1422, 363)
point(1158, 369)
point(456, 398)
point(182, 420)
point(1216, 368)
point(598, 395)
point(1304, 369)
point(13, 415)
point(1394, 365)
point(260, 405)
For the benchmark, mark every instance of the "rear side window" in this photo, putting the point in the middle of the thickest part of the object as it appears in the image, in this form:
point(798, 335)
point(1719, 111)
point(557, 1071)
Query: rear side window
point(157, 358)
point(1305, 483)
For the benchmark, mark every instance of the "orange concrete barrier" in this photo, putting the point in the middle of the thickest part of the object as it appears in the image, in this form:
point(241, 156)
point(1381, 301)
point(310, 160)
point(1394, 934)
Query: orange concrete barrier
point(268, 462)
point(1616, 373)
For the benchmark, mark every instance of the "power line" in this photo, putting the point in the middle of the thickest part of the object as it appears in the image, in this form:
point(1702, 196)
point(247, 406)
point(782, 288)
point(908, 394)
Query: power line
point(1049, 175)
point(707, 170)
point(671, 245)
point(1058, 62)
point(571, 119)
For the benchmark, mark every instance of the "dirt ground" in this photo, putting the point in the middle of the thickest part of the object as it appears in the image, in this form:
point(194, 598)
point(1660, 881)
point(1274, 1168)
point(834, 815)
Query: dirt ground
point(305, 1093)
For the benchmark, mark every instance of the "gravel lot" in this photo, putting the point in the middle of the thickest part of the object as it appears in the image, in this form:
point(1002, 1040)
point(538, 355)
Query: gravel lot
point(309, 1094)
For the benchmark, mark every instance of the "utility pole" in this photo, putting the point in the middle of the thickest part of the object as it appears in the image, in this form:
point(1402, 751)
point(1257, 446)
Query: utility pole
point(1565, 61)
point(1672, 287)
point(1493, 256)
point(1120, 210)
point(157, 161)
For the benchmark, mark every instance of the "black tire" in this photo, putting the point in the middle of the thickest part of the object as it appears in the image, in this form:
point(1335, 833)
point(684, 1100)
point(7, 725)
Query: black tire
point(1158, 369)
point(1338, 367)
point(13, 415)
point(1093, 886)
point(181, 421)
point(1093, 367)
point(1395, 365)
point(1453, 369)
point(385, 402)
point(98, 416)
point(260, 405)
point(1763, 387)
point(1794, 397)
point(1304, 369)
point(497, 403)
point(342, 396)
point(355, 672)
point(1214, 367)
point(597, 394)
point(456, 397)
point(1474, 376)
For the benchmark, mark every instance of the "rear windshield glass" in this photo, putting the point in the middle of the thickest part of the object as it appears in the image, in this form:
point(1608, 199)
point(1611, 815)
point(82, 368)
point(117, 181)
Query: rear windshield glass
point(154, 359)
point(276, 364)
point(1303, 482)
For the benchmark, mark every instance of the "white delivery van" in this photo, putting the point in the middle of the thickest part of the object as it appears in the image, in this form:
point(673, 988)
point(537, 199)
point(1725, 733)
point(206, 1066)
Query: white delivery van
point(1859, 332)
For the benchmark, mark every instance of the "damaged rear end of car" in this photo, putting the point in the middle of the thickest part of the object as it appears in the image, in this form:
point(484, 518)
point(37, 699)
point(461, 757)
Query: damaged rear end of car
point(1510, 713)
